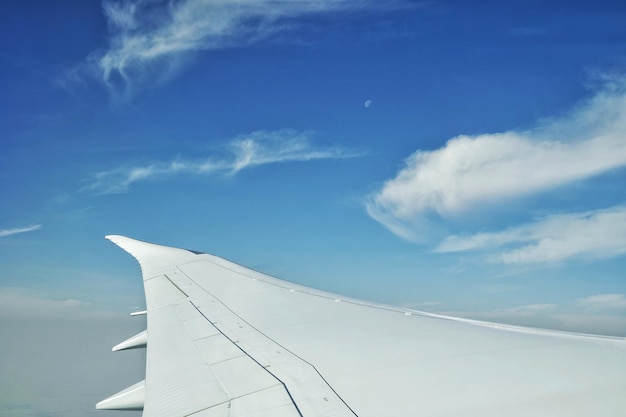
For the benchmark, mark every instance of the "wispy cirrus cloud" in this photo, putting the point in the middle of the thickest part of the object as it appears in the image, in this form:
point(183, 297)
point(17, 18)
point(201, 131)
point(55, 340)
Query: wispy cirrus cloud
point(151, 40)
point(589, 235)
point(604, 301)
point(487, 170)
point(17, 230)
point(245, 151)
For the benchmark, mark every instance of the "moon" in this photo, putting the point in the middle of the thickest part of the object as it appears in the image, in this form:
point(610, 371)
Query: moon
point(367, 103)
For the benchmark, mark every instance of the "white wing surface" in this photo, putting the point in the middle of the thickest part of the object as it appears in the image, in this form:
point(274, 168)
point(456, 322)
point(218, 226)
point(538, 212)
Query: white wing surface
point(224, 340)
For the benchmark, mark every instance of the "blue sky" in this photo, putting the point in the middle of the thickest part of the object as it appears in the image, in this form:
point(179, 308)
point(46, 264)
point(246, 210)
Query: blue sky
point(456, 157)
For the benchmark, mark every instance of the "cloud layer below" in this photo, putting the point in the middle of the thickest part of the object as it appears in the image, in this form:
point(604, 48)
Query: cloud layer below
point(595, 314)
point(246, 151)
point(553, 316)
point(23, 303)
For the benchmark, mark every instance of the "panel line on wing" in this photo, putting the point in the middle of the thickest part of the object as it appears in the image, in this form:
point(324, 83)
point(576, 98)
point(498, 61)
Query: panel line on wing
point(253, 359)
point(314, 293)
point(174, 284)
point(291, 366)
point(286, 350)
point(275, 393)
point(161, 291)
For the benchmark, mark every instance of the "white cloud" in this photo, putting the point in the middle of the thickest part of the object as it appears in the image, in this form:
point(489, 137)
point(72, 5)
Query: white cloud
point(512, 312)
point(262, 147)
point(532, 315)
point(150, 39)
point(610, 325)
point(14, 231)
point(549, 316)
point(485, 170)
point(257, 148)
point(589, 235)
point(579, 317)
point(422, 305)
point(23, 303)
point(604, 301)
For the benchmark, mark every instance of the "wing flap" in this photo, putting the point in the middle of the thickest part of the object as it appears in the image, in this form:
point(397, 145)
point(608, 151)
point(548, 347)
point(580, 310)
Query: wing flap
point(186, 374)
point(270, 402)
point(129, 399)
point(140, 340)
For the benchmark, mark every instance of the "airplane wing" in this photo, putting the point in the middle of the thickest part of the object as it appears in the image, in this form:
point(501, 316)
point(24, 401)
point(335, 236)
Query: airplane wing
point(224, 340)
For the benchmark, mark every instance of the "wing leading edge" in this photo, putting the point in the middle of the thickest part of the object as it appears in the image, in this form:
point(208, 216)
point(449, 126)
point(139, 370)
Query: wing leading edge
point(224, 340)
